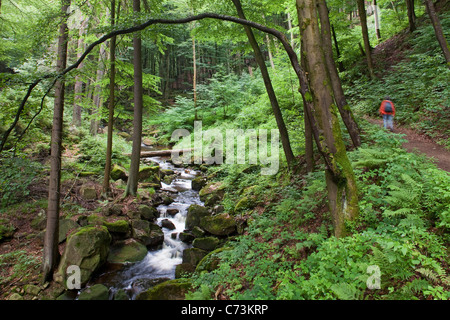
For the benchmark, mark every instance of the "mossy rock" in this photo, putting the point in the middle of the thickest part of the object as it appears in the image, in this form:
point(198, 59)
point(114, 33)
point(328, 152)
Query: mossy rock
point(118, 172)
point(219, 225)
point(148, 213)
point(87, 248)
point(198, 183)
point(148, 233)
point(245, 203)
point(7, 229)
point(127, 251)
point(175, 289)
point(211, 261)
point(206, 243)
point(66, 225)
point(150, 174)
point(88, 192)
point(212, 193)
point(118, 226)
point(195, 214)
point(96, 292)
point(193, 255)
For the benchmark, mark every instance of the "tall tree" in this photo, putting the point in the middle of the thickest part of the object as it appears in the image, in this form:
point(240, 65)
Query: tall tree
point(341, 100)
point(365, 34)
point(133, 178)
point(112, 80)
point(96, 110)
point(78, 89)
point(438, 30)
point(51, 253)
point(341, 182)
point(284, 135)
point(411, 15)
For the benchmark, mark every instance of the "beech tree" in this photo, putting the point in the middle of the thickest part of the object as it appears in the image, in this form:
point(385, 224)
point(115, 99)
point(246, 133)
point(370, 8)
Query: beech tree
point(365, 34)
point(51, 253)
point(133, 178)
point(438, 30)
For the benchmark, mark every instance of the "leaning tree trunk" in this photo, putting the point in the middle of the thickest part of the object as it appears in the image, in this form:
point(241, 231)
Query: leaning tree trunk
point(438, 30)
point(365, 34)
point(51, 253)
point(284, 135)
point(133, 179)
point(341, 100)
point(341, 182)
point(112, 80)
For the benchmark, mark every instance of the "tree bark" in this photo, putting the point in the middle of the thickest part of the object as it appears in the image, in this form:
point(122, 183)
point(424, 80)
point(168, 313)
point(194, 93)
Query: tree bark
point(341, 100)
point(341, 183)
point(98, 92)
point(438, 31)
point(377, 20)
point(411, 15)
point(338, 52)
point(78, 88)
point(51, 253)
point(194, 77)
point(284, 135)
point(365, 34)
point(112, 80)
point(132, 183)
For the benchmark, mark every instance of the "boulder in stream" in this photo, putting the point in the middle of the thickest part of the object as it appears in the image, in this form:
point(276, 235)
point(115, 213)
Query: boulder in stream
point(148, 233)
point(96, 292)
point(129, 250)
point(175, 289)
point(195, 214)
point(219, 225)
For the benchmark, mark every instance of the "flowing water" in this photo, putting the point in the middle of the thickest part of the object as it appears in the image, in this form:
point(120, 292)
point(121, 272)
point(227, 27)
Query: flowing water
point(158, 265)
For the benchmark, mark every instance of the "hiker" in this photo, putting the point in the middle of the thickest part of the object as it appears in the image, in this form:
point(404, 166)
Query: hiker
point(387, 110)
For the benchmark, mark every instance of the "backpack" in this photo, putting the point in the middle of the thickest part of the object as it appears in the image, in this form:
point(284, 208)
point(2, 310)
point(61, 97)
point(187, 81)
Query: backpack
point(388, 107)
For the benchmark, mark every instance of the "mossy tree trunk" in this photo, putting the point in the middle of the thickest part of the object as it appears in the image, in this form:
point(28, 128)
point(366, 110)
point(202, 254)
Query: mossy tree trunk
point(341, 100)
point(341, 183)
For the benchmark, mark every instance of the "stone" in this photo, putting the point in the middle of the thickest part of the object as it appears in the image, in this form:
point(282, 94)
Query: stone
point(175, 289)
point(124, 135)
point(206, 243)
point(87, 248)
point(150, 174)
point(184, 270)
point(40, 221)
point(114, 210)
point(212, 193)
point(172, 211)
point(96, 292)
point(148, 213)
point(120, 295)
point(65, 226)
point(7, 229)
point(119, 226)
point(148, 233)
point(193, 255)
point(15, 296)
point(198, 232)
point(166, 223)
point(198, 183)
point(186, 237)
point(88, 192)
point(195, 214)
point(211, 261)
point(126, 251)
point(219, 225)
point(32, 289)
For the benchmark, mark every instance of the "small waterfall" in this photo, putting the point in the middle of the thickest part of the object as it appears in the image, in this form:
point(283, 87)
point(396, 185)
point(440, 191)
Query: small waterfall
point(159, 265)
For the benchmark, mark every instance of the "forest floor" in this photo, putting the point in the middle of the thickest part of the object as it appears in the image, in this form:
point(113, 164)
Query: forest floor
point(423, 144)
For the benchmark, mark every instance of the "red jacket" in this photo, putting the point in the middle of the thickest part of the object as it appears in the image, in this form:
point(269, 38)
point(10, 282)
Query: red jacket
point(383, 103)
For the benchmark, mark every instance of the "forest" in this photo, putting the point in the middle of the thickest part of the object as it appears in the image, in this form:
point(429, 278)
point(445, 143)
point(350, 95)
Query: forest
point(224, 150)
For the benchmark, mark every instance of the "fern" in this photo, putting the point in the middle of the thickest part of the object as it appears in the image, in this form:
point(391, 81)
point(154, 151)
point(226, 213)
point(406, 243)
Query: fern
point(345, 291)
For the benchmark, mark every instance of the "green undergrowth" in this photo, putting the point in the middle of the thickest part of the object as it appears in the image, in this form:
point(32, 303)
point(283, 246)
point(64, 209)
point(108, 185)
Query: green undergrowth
point(288, 252)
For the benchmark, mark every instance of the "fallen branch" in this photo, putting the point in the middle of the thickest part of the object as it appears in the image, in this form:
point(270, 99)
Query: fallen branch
point(160, 153)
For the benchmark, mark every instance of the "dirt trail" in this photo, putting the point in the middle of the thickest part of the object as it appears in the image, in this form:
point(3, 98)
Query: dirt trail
point(421, 144)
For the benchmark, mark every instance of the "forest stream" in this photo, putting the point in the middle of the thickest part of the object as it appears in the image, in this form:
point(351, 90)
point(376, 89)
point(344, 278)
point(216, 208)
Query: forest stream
point(159, 264)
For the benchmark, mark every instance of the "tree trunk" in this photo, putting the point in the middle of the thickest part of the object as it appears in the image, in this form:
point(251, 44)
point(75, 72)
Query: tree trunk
point(338, 52)
point(365, 34)
point(194, 78)
point(341, 101)
point(284, 135)
point(112, 80)
point(341, 183)
point(78, 89)
point(132, 183)
point(98, 92)
point(51, 253)
point(438, 30)
point(411, 15)
point(377, 20)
